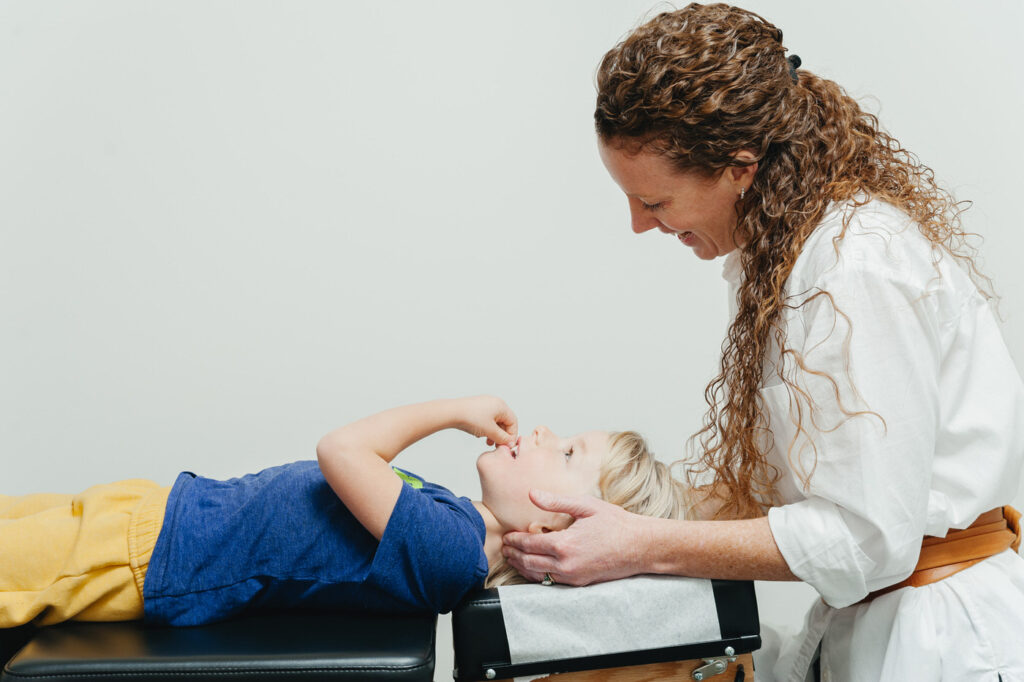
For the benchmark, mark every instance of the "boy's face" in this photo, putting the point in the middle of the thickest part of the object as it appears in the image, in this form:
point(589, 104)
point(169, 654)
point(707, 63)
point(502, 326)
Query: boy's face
point(545, 461)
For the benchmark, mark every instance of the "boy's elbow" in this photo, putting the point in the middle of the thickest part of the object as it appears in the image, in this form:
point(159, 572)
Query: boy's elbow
point(330, 447)
point(331, 457)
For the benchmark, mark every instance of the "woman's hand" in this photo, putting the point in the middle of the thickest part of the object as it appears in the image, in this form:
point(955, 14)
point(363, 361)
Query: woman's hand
point(486, 416)
point(604, 543)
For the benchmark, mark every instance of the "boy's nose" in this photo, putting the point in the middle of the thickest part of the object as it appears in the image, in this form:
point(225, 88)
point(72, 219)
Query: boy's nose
point(540, 433)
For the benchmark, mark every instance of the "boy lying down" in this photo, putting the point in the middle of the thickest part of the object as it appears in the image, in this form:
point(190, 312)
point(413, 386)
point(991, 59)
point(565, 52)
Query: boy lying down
point(347, 531)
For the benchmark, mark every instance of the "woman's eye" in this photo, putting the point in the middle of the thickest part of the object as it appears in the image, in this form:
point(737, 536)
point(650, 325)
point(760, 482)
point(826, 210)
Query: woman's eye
point(652, 207)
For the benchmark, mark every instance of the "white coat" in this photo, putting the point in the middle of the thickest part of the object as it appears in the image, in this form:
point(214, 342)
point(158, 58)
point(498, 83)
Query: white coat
point(933, 435)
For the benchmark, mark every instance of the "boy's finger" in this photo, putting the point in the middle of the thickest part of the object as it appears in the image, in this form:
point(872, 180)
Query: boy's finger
point(506, 427)
point(508, 421)
point(503, 437)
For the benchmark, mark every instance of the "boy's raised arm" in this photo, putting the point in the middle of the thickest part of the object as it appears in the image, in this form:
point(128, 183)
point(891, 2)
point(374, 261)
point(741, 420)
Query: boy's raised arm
point(355, 458)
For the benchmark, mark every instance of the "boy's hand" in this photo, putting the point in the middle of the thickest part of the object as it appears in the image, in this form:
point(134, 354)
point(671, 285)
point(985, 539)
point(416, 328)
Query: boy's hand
point(487, 416)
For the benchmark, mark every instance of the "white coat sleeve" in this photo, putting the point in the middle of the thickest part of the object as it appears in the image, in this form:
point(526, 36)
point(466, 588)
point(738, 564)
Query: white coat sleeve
point(866, 475)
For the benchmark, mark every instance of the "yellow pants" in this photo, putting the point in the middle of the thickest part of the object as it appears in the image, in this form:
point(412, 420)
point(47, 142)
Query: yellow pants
point(78, 557)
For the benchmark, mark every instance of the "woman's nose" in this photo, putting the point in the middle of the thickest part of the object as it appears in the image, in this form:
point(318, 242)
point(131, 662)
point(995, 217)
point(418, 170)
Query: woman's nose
point(640, 221)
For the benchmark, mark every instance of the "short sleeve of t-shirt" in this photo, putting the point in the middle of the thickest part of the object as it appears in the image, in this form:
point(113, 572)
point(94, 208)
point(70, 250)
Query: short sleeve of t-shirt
point(281, 538)
point(421, 556)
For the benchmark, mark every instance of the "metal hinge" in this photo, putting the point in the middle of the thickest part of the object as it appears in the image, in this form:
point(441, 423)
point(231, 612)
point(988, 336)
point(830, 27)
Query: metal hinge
point(715, 666)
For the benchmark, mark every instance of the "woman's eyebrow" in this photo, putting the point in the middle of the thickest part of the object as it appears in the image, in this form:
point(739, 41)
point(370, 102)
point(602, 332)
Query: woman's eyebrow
point(642, 196)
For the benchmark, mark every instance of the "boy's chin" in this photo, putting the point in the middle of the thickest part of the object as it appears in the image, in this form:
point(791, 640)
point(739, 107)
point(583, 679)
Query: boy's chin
point(487, 465)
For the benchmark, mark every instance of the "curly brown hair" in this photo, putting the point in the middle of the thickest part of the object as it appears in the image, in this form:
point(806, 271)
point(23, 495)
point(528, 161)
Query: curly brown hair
point(697, 86)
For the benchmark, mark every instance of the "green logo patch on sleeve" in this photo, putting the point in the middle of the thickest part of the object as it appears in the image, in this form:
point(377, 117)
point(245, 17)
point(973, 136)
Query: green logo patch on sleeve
point(408, 478)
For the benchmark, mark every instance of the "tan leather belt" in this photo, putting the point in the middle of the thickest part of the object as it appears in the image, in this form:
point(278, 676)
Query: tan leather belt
point(991, 533)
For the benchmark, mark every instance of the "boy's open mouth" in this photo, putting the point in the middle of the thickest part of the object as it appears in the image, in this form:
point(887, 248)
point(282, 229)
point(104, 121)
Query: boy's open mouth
point(513, 449)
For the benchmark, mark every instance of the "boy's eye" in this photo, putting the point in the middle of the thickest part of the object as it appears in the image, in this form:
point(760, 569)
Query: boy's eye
point(652, 207)
point(568, 454)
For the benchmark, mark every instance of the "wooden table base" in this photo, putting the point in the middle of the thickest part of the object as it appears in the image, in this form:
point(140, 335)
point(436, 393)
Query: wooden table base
point(655, 672)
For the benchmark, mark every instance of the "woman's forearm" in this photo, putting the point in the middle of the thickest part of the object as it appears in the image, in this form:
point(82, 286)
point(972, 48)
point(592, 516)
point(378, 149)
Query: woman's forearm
point(729, 550)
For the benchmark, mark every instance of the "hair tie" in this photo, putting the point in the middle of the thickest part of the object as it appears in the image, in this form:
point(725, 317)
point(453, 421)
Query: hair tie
point(794, 64)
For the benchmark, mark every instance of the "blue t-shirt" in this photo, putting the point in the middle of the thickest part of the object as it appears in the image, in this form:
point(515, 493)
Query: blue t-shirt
point(282, 538)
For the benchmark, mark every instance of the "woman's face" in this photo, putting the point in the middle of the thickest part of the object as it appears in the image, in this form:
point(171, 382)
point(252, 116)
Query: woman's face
point(700, 212)
point(545, 461)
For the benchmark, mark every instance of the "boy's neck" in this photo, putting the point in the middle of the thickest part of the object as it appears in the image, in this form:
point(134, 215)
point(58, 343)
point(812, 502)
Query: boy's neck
point(492, 538)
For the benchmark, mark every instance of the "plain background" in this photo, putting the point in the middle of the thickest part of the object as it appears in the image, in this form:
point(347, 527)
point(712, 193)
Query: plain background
point(226, 228)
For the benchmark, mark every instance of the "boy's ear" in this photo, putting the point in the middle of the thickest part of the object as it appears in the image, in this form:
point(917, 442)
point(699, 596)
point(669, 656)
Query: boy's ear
point(552, 524)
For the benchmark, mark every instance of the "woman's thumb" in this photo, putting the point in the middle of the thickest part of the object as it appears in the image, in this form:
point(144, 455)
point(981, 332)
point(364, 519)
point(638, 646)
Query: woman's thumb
point(574, 506)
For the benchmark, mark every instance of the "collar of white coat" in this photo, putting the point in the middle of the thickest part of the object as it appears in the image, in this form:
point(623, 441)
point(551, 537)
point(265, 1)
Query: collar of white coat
point(732, 269)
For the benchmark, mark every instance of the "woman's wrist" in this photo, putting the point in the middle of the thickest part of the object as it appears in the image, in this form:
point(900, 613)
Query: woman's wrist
point(662, 546)
point(730, 550)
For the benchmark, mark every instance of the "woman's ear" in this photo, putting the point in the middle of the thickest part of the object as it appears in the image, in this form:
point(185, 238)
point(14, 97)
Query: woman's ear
point(744, 175)
point(746, 156)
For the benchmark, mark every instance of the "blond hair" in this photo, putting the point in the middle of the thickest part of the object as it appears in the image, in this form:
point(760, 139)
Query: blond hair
point(632, 478)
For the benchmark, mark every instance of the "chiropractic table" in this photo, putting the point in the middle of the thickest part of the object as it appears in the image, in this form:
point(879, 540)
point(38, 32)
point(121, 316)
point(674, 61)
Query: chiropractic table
point(522, 632)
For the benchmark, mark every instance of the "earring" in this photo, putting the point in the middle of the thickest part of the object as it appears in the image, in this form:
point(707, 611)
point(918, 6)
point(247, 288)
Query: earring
point(742, 192)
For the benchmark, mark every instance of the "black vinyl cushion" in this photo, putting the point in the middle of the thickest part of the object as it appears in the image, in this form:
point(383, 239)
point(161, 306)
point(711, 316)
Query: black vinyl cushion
point(12, 639)
point(294, 645)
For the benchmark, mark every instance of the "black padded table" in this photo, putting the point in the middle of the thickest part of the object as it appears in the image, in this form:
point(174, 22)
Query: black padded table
point(11, 640)
point(294, 645)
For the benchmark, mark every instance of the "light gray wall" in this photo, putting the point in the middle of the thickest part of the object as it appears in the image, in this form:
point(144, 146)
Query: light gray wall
point(226, 228)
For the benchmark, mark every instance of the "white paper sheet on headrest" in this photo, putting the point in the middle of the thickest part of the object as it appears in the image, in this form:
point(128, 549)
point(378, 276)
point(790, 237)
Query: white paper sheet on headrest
point(644, 612)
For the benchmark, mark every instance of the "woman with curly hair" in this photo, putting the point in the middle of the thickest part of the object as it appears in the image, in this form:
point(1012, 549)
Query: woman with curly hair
point(867, 424)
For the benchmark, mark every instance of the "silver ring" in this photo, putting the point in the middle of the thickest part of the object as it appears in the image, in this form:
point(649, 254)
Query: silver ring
point(548, 581)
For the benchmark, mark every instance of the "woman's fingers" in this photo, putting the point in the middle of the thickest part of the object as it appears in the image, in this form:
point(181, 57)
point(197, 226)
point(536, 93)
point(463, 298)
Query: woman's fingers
point(537, 554)
point(531, 566)
point(538, 544)
point(601, 545)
